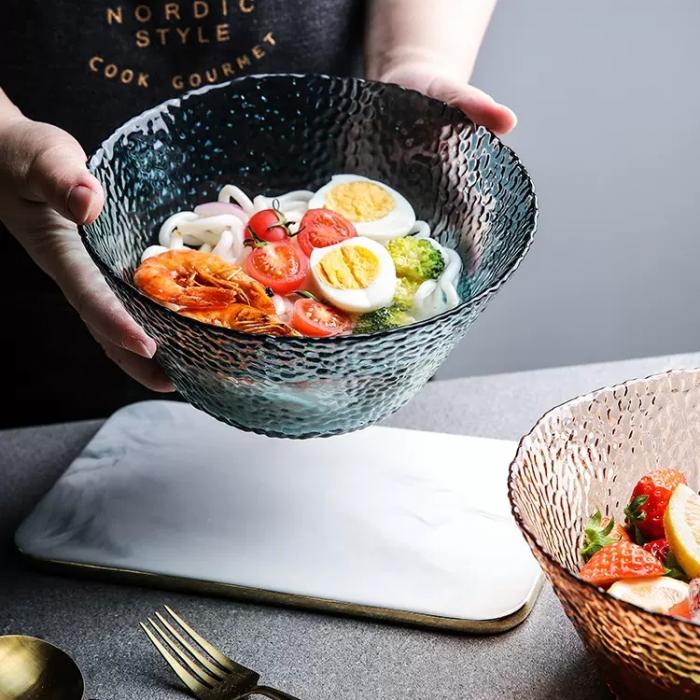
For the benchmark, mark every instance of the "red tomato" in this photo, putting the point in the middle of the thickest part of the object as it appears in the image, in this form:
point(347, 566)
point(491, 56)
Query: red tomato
point(322, 227)
point(280, 266)
point(311, 317)
point(268, 225)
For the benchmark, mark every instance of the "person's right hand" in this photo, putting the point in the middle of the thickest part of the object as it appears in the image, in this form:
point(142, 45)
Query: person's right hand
point(45, 190)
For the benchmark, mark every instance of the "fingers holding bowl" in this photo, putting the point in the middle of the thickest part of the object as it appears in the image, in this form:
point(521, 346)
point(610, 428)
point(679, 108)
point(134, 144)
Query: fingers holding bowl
point(146, 372)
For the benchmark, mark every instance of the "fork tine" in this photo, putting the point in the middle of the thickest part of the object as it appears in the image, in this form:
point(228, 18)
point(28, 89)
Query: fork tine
point(215, 653)
point(188, 663)
point(216, 671)
point(192, 682)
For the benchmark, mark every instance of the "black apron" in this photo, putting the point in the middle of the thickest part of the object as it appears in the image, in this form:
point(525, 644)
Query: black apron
point(87, 66)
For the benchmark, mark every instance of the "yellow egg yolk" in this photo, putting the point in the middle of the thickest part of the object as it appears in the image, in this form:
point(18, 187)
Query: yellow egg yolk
point(360, 201)
point(349, 267)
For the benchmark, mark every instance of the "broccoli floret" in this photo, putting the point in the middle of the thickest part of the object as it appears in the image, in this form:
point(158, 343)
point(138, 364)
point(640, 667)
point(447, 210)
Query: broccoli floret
point(416, 259)
point(405, 291)
point(382, 320)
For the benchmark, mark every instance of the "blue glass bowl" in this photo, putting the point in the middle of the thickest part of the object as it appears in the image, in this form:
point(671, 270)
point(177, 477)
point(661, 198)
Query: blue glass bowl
point(274, 133)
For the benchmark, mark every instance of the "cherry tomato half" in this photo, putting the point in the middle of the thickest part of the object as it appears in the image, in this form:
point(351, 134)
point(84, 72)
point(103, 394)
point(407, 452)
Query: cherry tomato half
point(322, 227)
point(311, 317)
point(280, 266)
point(268, 225)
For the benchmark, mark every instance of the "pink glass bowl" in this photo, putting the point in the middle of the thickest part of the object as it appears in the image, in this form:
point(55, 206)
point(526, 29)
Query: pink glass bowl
point(588, 454)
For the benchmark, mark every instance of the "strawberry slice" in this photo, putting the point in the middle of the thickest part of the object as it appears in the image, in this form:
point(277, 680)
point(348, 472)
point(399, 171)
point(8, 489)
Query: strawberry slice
point(620, 561)
point(645, 512)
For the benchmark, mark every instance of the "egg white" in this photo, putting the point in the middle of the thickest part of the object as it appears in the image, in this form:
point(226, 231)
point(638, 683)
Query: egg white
point(378, 294)
point(398, 222)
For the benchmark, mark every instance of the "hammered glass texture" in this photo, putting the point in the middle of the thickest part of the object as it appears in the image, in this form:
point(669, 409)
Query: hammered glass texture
point(272, 134)
point(589, 454)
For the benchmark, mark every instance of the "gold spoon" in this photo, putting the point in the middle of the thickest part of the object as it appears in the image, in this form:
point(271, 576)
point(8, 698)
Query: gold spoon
point(32, 669)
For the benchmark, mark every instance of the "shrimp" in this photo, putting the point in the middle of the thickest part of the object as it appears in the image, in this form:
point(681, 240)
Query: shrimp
point(193, 280)
point(244, 318)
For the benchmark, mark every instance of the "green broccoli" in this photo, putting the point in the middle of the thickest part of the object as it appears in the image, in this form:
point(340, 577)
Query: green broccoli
point(416, 259)
point(405, 291)
point(382, 320)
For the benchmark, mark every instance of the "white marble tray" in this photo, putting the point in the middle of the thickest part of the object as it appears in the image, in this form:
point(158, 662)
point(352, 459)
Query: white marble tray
point(390, 523)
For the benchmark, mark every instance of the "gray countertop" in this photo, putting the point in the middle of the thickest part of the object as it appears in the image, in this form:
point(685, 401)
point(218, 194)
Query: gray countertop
point(314, 656)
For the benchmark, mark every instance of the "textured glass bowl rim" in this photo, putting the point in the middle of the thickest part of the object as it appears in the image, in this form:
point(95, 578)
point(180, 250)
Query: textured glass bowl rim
point(586, 399)
point(127, 128)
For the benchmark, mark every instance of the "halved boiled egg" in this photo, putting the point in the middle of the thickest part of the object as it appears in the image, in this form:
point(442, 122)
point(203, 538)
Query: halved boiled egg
point(376, 210)
point(356, 275)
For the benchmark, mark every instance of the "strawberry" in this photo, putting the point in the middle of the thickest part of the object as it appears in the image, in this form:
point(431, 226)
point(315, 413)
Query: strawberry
point(681, 609)
point(620, 532)
point(659, 548)
point(694, 598)
point(688, 608)
point(599, 532)
point(620, 561)
point(662, 551)
point(645, 512)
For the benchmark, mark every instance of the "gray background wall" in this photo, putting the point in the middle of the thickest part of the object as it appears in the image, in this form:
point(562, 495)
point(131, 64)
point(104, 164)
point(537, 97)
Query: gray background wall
point(608, 97)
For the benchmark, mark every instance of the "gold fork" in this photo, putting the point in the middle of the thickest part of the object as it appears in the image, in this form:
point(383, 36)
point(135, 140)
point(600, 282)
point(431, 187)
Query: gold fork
point(210, 676)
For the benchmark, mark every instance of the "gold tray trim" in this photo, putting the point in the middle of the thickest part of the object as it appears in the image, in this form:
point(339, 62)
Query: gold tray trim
point(258, 595)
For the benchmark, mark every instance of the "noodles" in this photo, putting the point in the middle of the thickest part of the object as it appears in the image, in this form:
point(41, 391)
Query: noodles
point(283, 307)
point(437, 296)
point(220, 228)
point(420, 230)
point(224, 233)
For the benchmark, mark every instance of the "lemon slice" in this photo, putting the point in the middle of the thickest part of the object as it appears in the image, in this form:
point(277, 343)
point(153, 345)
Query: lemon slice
point(658, 594)
point(682, 525)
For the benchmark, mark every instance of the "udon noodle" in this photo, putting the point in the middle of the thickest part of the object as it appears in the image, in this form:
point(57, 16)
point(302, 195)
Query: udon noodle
point(219, 228)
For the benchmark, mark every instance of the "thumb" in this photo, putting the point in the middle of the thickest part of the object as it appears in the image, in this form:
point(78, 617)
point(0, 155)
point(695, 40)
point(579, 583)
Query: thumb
point(435, 82)
point(479, 106)
point(57, 175)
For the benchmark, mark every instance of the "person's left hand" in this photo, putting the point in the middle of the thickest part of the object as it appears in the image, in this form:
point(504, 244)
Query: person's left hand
point(436, 81)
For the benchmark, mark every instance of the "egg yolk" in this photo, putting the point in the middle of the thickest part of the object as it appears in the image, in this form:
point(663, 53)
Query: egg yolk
point(360, 201)
point(349, 267)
